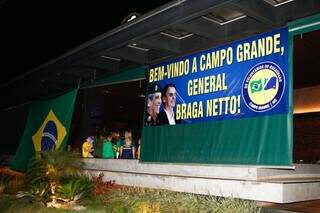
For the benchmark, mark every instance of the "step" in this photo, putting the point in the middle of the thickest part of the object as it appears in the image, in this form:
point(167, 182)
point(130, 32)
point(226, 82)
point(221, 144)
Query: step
point(226, 181)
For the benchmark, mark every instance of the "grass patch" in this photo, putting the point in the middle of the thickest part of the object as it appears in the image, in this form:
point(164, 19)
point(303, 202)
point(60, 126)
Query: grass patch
point(131, 199)
point(11, 204)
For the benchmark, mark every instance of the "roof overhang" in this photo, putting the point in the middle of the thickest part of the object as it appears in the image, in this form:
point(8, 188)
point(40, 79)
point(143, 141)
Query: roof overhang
point(177, 28)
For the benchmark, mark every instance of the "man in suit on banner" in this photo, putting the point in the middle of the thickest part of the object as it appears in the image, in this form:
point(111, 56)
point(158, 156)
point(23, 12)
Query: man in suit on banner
point(169, 97)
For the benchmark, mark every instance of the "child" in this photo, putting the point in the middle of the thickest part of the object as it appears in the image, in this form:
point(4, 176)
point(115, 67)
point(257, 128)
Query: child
point(107, 149)
point(127, 150)
point(87, 148)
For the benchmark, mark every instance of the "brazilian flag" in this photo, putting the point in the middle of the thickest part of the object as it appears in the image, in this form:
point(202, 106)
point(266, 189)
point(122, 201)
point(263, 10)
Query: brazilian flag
point(47, 128)
point(256, 86)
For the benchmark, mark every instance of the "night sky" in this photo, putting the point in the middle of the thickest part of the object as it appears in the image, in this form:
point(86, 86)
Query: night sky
point(36, 31)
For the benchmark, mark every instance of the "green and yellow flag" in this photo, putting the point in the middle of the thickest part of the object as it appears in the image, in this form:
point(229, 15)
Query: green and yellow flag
point(47, 128)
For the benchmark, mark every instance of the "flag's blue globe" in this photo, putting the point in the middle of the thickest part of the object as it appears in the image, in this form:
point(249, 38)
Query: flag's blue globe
point(49, 136)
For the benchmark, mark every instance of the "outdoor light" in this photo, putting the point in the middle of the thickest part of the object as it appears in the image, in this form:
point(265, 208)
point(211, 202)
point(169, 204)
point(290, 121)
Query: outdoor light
point(111, 58)
point(130, 17)
point(224, 16)
point(176, 33)
point(138, 47)
point(277, 3)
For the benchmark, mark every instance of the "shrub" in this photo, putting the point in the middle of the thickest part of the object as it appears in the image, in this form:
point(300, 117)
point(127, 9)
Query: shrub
point(53, 165)
point(75, 188)
point(56, 177)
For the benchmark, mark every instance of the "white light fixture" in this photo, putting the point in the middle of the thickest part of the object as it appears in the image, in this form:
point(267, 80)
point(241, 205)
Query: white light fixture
point(224, 16)
point(130, 17)
point(138, 47)
point(110, 58)
point(277, 3)
point(176, 33)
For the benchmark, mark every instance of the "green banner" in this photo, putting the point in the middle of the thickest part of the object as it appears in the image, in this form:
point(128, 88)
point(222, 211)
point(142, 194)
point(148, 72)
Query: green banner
point(264, 140)
point(47, 128)
point(222, 108)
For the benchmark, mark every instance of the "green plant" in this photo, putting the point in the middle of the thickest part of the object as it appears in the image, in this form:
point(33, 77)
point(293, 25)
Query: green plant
point(52, 165)
point(47, 170)
point(75, 188)
point(41, 191)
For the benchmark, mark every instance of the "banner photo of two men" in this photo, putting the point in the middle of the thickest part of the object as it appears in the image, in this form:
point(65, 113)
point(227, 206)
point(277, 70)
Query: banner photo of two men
point(246, 78)
point(161, 102)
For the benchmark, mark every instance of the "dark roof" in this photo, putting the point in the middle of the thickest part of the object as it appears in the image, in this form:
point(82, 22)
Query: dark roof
point(179, 27)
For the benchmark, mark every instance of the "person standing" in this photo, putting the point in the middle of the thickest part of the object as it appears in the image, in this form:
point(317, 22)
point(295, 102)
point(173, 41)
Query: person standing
point(127, 151)
point(107, 149)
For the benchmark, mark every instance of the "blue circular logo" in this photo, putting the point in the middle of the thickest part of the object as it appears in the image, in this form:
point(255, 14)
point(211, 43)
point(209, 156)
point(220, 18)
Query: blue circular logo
point(263, 87)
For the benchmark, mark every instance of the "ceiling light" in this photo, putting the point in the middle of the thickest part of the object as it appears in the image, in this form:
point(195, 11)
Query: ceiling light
point(224, 16)
point(138, 47)
point(277, 3)
point(130, 17)
point(110, 58)
point(176, 33)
